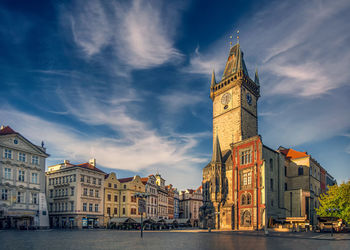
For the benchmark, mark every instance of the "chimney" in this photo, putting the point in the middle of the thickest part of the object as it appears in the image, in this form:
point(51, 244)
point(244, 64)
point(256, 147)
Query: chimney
point(92, 162)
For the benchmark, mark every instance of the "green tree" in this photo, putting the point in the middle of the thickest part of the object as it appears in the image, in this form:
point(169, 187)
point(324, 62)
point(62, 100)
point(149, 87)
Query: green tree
point(336, 202)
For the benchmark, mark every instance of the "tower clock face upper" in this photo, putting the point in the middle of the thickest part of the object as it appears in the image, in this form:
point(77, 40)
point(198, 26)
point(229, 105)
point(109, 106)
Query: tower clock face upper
point(226, 98)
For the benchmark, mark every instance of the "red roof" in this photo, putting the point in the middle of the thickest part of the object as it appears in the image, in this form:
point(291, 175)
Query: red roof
point(89, 166)
point(125, 179)
point(293, 154)
point(7, 131)
point(144, 180)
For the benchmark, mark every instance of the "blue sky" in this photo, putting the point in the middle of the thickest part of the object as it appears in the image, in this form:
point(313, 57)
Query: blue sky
point(127, 82)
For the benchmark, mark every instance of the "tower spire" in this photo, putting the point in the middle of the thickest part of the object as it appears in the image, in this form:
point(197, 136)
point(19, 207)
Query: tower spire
point(217, 157)
point(256, 79)
point(213, 81)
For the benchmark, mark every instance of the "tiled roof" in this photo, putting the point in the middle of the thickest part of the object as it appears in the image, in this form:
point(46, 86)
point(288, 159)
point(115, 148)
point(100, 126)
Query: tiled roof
point(7, 131)
point(293, 154)
point(144, 180)
point(125, 179)
point(89, 166)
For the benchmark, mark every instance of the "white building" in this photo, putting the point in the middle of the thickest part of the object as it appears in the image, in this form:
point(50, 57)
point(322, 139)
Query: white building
point(22, 182)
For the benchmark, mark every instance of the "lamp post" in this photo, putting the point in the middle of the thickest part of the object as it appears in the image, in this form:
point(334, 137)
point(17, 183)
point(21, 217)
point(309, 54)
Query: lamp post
point(142, 207)
point(330, 210)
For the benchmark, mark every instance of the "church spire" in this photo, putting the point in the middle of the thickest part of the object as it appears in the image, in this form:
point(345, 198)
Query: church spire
point(256, 79)
point(217, 157)
point(213, 81)
point(235, 62)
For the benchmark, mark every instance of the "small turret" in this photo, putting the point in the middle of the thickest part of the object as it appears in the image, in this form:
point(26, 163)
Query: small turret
point(213, 81)
point(217, 157)
point(256, 79)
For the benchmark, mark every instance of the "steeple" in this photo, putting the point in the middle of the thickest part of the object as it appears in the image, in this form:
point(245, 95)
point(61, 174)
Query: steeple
point(213, 81)
point(235, 62)
point(217, 157)
point(256, 79)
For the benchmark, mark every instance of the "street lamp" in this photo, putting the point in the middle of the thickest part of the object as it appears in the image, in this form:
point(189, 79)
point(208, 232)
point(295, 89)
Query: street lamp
point(142, 206)
point(330, 210)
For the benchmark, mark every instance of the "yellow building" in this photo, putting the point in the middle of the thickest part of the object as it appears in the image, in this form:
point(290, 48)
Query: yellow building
point(119, 198)
point(111, 198)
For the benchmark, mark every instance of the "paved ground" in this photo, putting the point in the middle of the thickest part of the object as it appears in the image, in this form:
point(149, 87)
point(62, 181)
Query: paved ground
point(196, 239)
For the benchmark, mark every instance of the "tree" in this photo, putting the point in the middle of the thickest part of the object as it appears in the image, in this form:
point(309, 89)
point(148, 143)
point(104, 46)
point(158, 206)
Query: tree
point(336, 202)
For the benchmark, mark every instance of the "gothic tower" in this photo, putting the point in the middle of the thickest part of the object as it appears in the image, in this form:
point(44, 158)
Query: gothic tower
point(234, 102)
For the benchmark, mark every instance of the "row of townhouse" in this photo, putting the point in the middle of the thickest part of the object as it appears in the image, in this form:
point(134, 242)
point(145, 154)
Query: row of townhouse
point(71, 195)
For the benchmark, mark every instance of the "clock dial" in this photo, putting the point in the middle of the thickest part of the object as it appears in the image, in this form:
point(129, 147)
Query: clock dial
point(249, 99)
point(226, 98)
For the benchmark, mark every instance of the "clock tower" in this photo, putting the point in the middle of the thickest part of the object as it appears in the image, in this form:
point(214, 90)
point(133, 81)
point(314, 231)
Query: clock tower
point(234, 102)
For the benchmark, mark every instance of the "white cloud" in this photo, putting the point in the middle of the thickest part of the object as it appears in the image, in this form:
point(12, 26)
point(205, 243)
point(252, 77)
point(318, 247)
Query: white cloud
point(141, 33)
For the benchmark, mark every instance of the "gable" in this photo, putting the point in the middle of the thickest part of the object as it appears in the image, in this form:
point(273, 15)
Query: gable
point(18, 142)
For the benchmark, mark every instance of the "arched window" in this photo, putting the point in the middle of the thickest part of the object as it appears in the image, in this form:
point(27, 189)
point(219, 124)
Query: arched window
point(246, 219)
point(249, 199)
point(243, 200)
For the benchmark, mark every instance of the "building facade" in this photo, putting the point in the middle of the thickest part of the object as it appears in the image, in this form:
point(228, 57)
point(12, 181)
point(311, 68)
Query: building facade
point(75, 195)
point(170, 191)
point(162, 197)
point(151, 189)
point(190, 202)
point(243, 183)
point(22, 182)
point(176, 204)
point(111, 198)
point(128, 202)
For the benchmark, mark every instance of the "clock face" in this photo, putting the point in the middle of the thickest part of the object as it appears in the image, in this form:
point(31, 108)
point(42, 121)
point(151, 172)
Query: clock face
point(226, 98)
point(249, 99)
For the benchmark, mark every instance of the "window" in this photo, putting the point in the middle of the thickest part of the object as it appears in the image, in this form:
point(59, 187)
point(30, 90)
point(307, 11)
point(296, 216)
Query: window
point(99, 181)
point(82, 178)
point(271, 165)
point(56, 194)
point(96, 193)
point(84, 207)
point(20, 197)
point(8, 173)
point(4, 193)
point(285, 186)
point(133, 210)
point(133, 198)
point(300, 171)
point(108, 210)
point(115, 210)
point(20, 175)
point(285, 170)
point(85, 191)
point(109, 197)
point(8, 153)
point(249, 178)
point(271, 184)
point(35, 160)
point(96, 207)
point(74, 178)
point(90, 207)
point(91, 192)
point(35, 178)
point(271, 203)
point(246, 179)
point(311, 187)
point(115, 185)
point(124, 198)
point(124, 186)
point(245, 157)
point(243, 200)
point(115, 198)
point(59, 180)
point(72, 206)
point(88, 179)
point(249, 199)
point(109, 185)
point(66, 191)
point(94, 180)
point(72, 191)
point(35, 198)
point(123, 210)
point(22, 157)
point(51, 193)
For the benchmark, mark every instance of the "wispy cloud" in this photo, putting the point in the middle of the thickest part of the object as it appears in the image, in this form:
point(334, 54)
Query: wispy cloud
point(140, 33)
